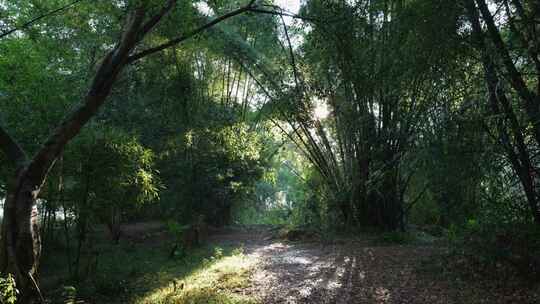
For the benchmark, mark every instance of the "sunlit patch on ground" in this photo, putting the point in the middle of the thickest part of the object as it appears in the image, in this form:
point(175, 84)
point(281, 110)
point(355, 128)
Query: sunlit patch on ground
point(295, 274)
point(220, 282)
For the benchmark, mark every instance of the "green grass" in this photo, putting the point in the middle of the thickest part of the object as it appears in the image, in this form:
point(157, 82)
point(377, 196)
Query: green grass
point(215, 283)
point(144, 274)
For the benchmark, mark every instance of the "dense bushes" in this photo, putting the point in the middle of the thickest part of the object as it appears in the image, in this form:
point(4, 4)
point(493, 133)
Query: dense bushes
point(507, 250)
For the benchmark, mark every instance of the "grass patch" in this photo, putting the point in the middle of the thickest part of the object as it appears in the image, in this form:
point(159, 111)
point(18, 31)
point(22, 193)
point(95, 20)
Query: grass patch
point(219, 282)
point(141, 273)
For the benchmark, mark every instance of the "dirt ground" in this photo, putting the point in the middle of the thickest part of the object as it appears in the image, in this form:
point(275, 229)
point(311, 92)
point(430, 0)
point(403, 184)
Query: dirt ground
point(357, 271)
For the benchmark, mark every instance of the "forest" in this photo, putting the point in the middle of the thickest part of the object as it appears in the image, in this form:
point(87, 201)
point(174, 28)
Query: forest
point(269, 151)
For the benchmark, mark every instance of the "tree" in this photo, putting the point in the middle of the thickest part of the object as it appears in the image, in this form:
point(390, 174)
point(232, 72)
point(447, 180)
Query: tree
point(110, 173)
point(517, 125)
point(379, 72)
point(20, 248)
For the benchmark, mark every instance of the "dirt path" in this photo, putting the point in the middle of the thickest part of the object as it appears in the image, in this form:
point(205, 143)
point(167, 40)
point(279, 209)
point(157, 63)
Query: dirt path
point(356, 272)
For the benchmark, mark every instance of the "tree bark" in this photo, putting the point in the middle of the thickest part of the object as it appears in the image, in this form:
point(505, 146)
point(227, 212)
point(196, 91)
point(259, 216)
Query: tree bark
point(21, 244)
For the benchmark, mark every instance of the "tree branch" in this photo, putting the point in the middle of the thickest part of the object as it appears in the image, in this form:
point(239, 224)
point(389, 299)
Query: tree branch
point(515, 77)
point(36, 19)
point(195, 32)
point(111, 66)
point(150, 24)
point(417, 199)
point(285, 14)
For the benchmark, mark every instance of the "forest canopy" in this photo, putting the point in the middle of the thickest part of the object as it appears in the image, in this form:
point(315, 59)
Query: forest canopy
point(327, 116)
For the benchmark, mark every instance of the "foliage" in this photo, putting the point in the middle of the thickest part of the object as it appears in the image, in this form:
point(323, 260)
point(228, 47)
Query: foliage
point(178, 232)
point(108, 174)
point(430, 122)
point(124, 166)
point(143, 273)
point(221, 168)
point(8, 290)
point(507, 250)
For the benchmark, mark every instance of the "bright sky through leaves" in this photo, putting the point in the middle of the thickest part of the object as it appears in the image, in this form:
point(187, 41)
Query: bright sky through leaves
point(290, 5)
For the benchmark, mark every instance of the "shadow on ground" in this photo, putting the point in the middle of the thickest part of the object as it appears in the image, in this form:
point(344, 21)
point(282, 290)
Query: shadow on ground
point(247, 266)
point(359, 271)
point(137, 269)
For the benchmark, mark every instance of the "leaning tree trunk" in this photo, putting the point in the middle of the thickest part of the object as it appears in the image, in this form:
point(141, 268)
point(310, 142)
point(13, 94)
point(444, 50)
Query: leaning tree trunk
point(20, 246)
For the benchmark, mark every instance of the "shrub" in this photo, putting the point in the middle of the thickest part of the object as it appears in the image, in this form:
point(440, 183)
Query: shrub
point(506, 249)
point(8, 290)
point(111, 285)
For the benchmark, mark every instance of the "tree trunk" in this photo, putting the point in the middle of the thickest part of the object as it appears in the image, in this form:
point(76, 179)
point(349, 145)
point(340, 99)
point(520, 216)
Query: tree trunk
point(21, 246)
point(114, 224)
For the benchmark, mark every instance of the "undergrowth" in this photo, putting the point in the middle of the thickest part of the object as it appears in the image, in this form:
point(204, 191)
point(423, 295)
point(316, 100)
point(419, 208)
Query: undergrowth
point(218, 282)
point(144, 274)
